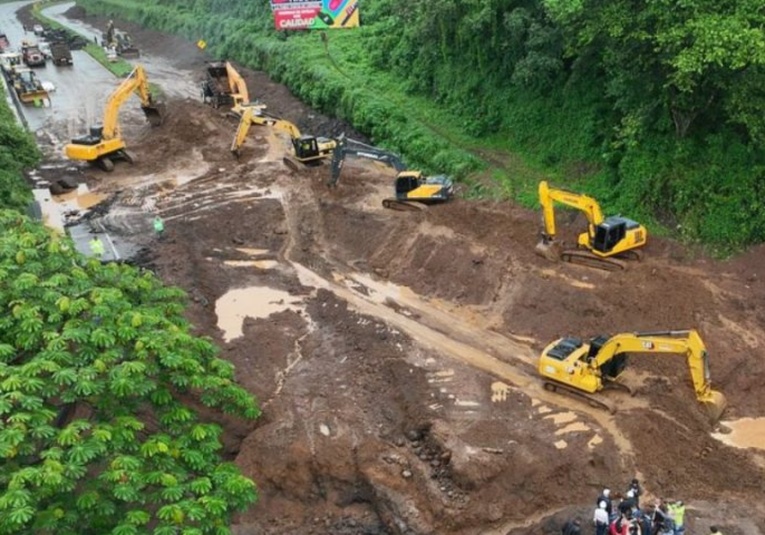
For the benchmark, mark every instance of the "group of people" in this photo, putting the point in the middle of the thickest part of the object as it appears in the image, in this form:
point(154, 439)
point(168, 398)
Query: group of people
point(628, 517)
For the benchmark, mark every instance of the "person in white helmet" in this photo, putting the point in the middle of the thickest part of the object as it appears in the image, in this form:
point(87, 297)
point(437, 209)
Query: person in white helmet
point(600, 519)
point(605, 496)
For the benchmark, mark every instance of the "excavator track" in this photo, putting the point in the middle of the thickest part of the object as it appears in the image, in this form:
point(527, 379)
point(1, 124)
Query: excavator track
point(293, 165)
point(573, 392)
point(585, 258)
point(404, 206)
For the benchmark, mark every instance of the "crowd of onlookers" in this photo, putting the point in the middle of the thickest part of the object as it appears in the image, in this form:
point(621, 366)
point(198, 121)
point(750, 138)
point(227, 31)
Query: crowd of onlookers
point(623, 514)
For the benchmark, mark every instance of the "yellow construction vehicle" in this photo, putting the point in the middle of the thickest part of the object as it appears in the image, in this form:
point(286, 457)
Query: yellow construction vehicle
point(224, 86)
point(581, 368)
point(413, 190)
point(606, 240)
point(308, 149)
point(104, 144)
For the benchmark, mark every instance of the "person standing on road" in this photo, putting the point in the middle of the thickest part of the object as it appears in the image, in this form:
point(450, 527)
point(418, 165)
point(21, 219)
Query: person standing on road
point(96, 247)
point(600, 519)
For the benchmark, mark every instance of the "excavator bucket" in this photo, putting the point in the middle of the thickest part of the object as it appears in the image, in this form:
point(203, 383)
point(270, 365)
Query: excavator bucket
point(154, 113)
point(550, 250)
point(715, 405)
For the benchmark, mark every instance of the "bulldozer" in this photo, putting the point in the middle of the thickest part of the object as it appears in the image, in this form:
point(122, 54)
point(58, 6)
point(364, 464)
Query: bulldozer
point(308, 150)
point(104, 144)
point(413, 190)
point(607, 242)
point(578, 368)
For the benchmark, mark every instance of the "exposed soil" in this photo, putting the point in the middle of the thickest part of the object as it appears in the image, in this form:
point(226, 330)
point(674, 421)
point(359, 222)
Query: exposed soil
point(394, 353)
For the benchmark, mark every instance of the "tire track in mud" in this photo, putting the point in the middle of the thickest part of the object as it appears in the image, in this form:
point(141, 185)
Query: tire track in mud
point(501, 356)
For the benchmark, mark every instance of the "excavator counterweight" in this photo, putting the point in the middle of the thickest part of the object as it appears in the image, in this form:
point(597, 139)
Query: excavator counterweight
point(582, 368)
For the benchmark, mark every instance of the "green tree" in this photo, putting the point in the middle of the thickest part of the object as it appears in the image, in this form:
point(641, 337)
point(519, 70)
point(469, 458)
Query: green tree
point(692, 61)
point(98, 376)
point(17, 152)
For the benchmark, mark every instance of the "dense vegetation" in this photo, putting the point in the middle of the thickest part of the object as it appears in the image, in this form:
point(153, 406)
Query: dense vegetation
point(18, 151)
point(98, 377)
point(653, 107)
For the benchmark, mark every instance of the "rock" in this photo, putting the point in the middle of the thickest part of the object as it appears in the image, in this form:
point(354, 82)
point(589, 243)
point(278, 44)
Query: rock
point(399, 441)
point(406, 474)
point(414, 435)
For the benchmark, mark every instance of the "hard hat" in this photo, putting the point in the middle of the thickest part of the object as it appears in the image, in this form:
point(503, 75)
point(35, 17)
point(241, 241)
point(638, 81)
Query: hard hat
point(606, 492)
point(602, 504)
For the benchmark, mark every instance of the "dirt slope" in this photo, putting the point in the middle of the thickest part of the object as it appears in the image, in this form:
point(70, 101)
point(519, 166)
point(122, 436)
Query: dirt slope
point(394, 354)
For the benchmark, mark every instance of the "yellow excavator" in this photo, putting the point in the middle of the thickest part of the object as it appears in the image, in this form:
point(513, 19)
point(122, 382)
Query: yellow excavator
point(607, 240)
point(308, 149)
point(582, 368)
point(414, 191)
point(103, 144)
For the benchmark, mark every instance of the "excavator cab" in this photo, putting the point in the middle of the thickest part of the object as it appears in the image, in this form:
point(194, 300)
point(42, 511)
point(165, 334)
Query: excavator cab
point(306, 147)
point(611, 233)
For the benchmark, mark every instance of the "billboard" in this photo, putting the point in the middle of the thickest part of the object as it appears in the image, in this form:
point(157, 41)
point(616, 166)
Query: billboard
point(315, 14)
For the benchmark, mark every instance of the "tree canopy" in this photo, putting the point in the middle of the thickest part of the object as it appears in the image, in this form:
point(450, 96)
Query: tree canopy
point(98, 377)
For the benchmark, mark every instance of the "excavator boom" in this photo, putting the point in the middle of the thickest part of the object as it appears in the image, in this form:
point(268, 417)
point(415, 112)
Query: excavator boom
point(588, 367)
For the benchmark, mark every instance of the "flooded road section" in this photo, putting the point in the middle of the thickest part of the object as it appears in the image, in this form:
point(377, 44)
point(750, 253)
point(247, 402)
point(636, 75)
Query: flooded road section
point(82, 89)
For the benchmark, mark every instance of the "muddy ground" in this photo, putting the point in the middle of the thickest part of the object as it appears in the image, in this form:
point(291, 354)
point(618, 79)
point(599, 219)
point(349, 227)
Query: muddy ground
point(394, 353)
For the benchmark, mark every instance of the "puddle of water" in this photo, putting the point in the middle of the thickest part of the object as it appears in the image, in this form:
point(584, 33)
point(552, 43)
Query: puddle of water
point(594, 441)
point(562, 417)
point(260, 264)
point(499, 391)
point(54, 207)
point(573, 427)
point(561, 444)
point(252, 252)
point(82, 198)
point(744, 433)
point(253, 302)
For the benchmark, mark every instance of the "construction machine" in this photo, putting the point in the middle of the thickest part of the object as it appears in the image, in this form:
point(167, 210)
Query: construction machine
point(309, 150)
point(103, 144)
point(120, 42)
point(607, 240)
point(28, 87)
point(413, 190)
point(224, 86)
point(582, 368)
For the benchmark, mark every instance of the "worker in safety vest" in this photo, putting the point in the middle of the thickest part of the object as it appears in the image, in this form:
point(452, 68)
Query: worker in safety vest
point(677, 512)
point(96, 247)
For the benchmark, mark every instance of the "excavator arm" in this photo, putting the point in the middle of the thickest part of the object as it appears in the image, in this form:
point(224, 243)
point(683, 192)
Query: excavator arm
point(549, 196)
point(253, 115)
point(135, 82)
point(356, 148)
point(238, 87)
